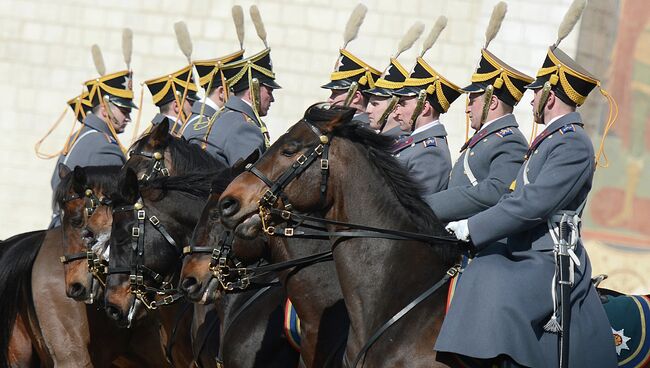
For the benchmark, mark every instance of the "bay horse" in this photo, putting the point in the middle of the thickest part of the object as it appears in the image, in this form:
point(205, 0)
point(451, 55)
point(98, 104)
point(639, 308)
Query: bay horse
point(357, 182)
point(314, 290)
point(152, 258)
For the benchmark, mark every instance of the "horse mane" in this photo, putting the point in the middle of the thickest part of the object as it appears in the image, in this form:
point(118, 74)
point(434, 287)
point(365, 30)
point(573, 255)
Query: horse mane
point(198, 183)
point(188, 157)
point(102, 178)
point(378, 150)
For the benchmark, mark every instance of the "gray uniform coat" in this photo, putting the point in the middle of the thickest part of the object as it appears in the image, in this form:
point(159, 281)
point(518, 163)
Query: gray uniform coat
point(235, 133)
point(362, 119)
point(395, 132)
point(95, 146)
point(504, 297)
point(198, 124)
point(426, 157)
point(495, 156)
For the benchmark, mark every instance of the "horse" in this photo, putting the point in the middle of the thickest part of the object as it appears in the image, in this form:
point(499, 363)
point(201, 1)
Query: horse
point(357, 182)
point(314, 290)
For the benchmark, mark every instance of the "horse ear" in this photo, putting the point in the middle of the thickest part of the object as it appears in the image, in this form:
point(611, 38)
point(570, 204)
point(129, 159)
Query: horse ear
point(128, 185)
point(79, 179)
point(345, 115)
point(63, 171)
point(240, 165)
point(160, 134)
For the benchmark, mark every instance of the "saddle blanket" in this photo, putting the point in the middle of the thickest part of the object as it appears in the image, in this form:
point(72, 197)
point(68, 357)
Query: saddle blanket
point(629, 316)
point(292, 325)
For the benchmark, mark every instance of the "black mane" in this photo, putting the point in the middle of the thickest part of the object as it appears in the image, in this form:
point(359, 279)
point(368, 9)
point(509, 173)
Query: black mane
point(378, 148)
point(100, 178)
point(187, 157)
point(197, 183)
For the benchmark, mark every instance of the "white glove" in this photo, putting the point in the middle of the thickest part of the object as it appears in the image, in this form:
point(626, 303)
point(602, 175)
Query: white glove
point(460, 229)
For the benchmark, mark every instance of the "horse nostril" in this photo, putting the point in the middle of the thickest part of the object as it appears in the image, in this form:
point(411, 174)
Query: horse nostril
point(229, 206)
point(189, 285)
point(77, 291)
point(113, 312)
point(87, 235)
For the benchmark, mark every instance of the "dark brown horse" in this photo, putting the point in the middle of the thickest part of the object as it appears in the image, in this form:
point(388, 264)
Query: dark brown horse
point(362, 184)
point(313, 290)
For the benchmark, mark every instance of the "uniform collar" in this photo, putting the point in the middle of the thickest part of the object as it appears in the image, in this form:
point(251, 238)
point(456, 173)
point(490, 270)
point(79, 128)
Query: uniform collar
point(94, 122)
point(237, 104)
point(212, 104)
point(551, 124)
point(208, 110)
point(508, 119)
point(434, 130)
point(425, 127)
point(395, 131)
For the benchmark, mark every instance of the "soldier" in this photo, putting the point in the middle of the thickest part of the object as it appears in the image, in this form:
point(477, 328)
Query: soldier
point(489, 161)
point(351, 75)
point(425, 95)
point(238, 129)
point(506, 304)
point(96, 143)
point(174, 94)
point(381, 101)
point(198, 127)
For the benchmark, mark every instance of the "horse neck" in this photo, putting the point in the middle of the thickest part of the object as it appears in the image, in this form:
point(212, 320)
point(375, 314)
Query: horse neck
point(370, 268)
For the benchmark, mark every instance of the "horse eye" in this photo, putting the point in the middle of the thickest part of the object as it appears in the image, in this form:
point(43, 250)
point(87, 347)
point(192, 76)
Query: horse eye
point(290, 150)
point(76, 222)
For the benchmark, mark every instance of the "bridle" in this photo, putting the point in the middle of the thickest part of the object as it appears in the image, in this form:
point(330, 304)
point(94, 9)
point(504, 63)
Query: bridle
point(96, 266)
point(156, 166)
point(137, 270)
point(316, 228)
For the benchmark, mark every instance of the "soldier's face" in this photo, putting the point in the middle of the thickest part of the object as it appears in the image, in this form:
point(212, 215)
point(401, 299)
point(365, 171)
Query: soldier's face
point(475, 109)
point(404, 111)
point(375, 109)
point(337, 97)
point(122, 117)
point(266, 98)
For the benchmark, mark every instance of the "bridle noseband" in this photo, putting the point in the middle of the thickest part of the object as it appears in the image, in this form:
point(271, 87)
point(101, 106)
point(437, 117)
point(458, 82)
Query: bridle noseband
point(156, 167)
point(137, 270)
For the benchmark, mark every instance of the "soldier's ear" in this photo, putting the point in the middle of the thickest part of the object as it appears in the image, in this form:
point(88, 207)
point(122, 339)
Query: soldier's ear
point(63, 171)
point(128, 185)
point(79, 179)
point(159, 136)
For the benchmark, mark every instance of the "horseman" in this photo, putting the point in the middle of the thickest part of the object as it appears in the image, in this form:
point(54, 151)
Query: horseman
point(381, 101)
point(173, 94)
point(425, 96)
point(211, 79)
point(489, 161)
point(507, 303)
point(239, 130)
point(351, 75)
point(110, 99)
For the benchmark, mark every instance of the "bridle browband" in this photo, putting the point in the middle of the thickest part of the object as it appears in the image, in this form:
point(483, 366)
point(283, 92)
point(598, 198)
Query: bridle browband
point(96, 266)
point(137, 270)
point(156, 166)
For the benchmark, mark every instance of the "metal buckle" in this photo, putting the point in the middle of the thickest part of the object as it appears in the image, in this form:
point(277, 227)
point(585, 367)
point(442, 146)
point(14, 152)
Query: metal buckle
point(164, 171)
point(453, 271)
point(139, 280)
point(187, 249)
point(154, 220)
point(286, 215)
point(135, 232)
point(324, 164)
point(301, 160)
point(319, 149)
point(141, 215)
point(168, 299)
point(62, 259)
point(288, 231)
point(156, 165)
point(269, 197)
point(132, 279)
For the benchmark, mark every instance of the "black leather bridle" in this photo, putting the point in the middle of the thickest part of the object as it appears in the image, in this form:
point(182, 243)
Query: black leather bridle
point(137, 270)
point(96, 266)
point(156, 166)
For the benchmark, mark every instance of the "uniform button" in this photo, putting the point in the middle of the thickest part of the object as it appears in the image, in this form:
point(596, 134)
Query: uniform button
point(536, 151)
point(471, 153)
point(485, 140)
point(550, 136)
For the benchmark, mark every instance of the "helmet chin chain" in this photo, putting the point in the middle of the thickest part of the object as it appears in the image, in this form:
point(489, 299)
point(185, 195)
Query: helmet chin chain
point(487, 100)
point(422, 95)
point(539, 111)
point(384, 117)
point(354, 87)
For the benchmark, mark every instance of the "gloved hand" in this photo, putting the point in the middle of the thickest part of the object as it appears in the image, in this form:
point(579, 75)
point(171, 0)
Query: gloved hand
point(460, 229)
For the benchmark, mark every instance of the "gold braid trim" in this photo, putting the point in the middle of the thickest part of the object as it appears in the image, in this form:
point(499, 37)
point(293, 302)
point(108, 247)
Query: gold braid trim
point(611, 119)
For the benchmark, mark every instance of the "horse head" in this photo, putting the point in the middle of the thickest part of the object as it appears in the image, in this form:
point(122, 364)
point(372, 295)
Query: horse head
point(284, 176)
point(82, 197)
point(212, 248)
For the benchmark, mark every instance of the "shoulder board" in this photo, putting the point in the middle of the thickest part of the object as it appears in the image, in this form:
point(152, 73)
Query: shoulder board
point(401, 144)
point(430, 142)
point(567, 129)
point(504, 132)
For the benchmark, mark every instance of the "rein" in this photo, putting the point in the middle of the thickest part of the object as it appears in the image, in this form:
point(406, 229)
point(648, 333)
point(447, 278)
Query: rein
point(137, 269)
